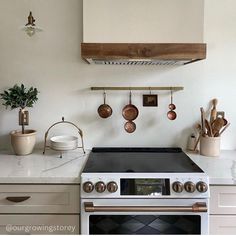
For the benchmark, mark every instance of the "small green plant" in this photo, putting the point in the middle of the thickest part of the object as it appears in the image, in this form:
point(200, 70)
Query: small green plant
point(19, 97)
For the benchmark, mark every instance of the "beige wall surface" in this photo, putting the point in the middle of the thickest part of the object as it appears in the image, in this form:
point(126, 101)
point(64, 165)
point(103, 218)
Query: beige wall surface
point(147, 21)
point(51, 61)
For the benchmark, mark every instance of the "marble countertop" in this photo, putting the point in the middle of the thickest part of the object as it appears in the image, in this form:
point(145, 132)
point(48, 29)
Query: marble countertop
point(39, 168)
point(221, 170)
point(50, 169)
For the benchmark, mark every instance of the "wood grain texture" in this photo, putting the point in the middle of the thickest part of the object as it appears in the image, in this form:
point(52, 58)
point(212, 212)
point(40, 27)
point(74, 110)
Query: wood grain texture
point(161, 51)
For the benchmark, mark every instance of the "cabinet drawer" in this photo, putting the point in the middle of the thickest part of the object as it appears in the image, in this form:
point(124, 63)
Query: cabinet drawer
point(39, 199)
point(223, 200)
point(223, 224)
point(39, 224)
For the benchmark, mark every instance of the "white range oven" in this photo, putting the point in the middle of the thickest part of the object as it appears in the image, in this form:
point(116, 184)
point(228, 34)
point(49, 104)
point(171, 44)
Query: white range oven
point(143, 191)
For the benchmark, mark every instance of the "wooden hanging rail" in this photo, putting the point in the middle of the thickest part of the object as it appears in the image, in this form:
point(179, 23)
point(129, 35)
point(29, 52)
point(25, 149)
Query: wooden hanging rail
point(138, 88)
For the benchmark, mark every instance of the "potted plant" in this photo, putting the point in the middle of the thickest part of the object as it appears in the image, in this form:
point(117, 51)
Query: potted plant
point(23, 141)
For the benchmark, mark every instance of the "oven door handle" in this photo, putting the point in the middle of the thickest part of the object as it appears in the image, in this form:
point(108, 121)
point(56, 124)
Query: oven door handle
point(196, 207)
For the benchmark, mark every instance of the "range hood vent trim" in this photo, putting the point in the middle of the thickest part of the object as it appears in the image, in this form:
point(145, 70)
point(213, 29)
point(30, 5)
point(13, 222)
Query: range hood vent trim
point(143, 53)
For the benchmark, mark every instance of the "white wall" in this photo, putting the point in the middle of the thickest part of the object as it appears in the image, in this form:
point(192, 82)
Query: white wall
point(152, 21)
point(51, 61)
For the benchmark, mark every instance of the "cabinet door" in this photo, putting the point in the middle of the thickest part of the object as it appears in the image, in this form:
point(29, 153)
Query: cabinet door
point(223, 200)
point(223, 224)
point(42, 199)
point(39, 224)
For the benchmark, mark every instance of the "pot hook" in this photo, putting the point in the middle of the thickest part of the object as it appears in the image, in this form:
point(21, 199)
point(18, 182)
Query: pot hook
point(130, 95)
point(104, 96)
point(150, 92)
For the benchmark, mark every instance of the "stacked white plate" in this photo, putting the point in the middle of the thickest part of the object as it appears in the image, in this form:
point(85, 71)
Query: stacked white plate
point(63, 143)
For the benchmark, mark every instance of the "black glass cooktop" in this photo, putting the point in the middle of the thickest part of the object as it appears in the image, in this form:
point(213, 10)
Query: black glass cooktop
point(139, 160)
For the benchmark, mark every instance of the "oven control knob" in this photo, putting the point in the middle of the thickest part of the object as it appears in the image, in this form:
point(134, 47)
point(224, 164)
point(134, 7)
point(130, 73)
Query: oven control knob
point(112, 187)
point(88, 187)
point(178, 187)
point(201, 187)
point(189, 187)
point(100, 187)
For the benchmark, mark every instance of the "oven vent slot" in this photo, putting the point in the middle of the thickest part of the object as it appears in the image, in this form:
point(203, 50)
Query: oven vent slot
point(138, 62)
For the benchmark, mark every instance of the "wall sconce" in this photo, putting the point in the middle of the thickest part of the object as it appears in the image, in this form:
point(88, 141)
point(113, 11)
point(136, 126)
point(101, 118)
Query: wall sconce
point(30, 28)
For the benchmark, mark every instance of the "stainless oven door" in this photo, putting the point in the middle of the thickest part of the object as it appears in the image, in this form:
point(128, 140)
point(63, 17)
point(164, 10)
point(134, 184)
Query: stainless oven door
point(144, 216)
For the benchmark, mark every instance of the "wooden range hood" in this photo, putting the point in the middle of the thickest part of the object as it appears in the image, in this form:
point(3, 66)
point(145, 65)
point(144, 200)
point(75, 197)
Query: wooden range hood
point(143, 53)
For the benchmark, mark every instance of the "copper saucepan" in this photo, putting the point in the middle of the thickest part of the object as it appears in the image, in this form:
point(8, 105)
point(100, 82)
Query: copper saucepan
point(130, 126)
point(130, 112)
point(104, 110)
point(171, 114)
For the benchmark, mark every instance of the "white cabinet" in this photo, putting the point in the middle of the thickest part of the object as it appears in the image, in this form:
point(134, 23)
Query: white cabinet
point(39, 209)
point(223, 200)
point(223, 224)
point(223, 209)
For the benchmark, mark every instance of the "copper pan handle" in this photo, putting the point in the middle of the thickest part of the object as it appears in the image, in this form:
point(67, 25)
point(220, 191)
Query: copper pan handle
point(196, 207)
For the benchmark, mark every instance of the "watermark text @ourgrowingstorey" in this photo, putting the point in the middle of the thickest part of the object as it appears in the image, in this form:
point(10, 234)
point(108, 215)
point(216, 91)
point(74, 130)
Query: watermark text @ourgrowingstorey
point(40, 228)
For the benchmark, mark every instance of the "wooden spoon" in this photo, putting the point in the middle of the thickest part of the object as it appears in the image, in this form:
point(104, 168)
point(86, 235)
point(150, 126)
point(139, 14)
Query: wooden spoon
point(213, 111)
point(221, 114)
point(217, 125)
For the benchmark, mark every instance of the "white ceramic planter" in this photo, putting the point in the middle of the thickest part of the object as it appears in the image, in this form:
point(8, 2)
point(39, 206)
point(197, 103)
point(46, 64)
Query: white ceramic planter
point(23, 144)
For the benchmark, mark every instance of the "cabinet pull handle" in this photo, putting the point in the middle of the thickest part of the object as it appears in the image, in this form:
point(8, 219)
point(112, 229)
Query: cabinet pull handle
point(197, 207)
point(17, 199)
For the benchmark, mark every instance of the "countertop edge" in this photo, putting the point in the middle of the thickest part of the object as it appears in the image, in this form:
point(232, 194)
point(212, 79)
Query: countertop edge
point(37, 168)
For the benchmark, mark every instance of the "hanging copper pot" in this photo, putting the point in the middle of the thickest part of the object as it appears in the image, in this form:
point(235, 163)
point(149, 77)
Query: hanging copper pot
point(104, 110)
point(130, 126)
point(130, 112)
point(172, 114)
